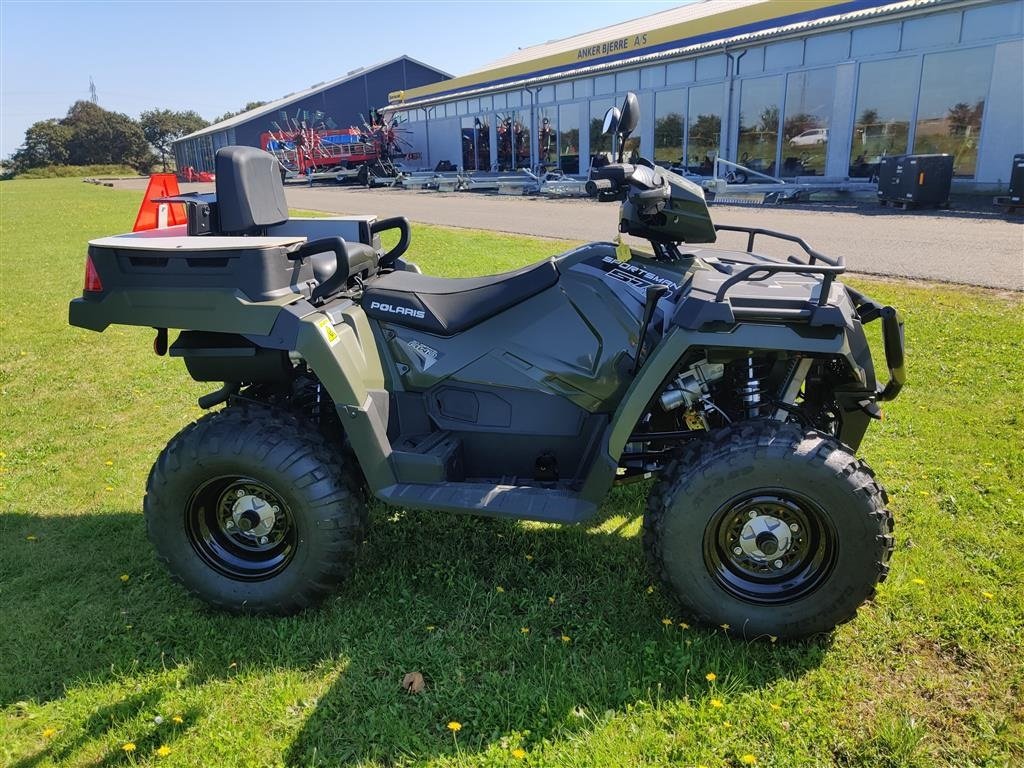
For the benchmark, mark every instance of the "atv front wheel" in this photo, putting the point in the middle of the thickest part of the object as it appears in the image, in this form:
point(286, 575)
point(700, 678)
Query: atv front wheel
point(769, 530)
point(252, 511)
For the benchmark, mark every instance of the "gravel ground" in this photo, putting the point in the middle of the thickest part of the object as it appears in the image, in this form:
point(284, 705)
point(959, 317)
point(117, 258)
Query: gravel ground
point(971, 243)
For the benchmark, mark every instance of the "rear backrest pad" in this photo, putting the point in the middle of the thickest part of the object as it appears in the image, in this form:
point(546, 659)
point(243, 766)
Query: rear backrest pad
point(250, 194)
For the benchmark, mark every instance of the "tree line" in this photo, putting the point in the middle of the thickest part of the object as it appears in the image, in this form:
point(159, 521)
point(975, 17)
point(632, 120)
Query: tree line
point(91, 135)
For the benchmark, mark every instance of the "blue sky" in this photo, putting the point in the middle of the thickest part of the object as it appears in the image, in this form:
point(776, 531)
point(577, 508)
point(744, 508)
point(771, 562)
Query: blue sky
point(216, 56)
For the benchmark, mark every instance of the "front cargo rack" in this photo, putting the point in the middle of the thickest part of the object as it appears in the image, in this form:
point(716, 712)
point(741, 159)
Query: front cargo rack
point(758, 272)
point(697, 313)
point(709, 302)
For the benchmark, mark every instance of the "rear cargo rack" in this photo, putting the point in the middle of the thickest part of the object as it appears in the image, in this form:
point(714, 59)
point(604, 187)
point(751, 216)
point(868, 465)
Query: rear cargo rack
point(758, 272)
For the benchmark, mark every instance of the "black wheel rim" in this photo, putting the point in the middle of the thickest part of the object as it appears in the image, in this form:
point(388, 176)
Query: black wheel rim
point(241, 528)
point(769, 547)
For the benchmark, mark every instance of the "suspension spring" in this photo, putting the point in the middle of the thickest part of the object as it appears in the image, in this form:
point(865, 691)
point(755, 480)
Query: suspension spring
point(750, 391)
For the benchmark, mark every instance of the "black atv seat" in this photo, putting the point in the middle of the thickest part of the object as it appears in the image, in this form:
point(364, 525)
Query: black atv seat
point(446, 306)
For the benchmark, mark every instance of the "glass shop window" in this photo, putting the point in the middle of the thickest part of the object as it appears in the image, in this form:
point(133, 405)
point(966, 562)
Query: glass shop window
point(547, 137)
point(476, 143)
point(951, 106)
point(759, 124)
point(569, 138)
point(885, 101)
point(807, 121)
point(668, 127)
point(704, 127)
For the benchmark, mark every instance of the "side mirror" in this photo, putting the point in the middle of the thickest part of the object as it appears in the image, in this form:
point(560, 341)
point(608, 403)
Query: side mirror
point(629, 116)
point(611, 122)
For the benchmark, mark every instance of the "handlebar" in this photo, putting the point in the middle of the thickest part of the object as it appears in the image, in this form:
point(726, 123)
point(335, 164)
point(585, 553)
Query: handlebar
point(641, 183)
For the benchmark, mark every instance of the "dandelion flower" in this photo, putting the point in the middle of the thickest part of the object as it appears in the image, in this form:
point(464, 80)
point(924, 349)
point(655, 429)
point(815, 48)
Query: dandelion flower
point(727, 724)
point(49, 733)
point(667, 621)
point(775, 707)
point(711, 677)
point(919, 582)
point(986, 595)
point(163, 750)
point(683, 625)
point(566, 639)
point(748, 760)
point(650, 590)
point(551, 600)
point(109, 463)
point(109, 488)
point(177, 720)
point(525, 630)
point(499, 589)
point(519, 753)
point(454, 726)
point(724, 626)
point(716, 703)
point(431, 627)
point(773, 638)
point(529, 557)
point(124, 577)
point(31, 537)
point(128, 747)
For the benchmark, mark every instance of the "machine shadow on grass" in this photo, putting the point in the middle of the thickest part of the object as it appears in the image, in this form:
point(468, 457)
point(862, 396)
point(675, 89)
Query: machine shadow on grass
point(515, 627)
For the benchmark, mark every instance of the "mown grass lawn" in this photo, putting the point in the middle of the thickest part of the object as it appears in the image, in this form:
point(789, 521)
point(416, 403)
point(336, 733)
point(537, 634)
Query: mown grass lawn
point(546, 644)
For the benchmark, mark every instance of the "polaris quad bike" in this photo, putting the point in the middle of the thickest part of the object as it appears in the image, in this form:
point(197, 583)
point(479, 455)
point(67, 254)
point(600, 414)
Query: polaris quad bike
point(741, 384)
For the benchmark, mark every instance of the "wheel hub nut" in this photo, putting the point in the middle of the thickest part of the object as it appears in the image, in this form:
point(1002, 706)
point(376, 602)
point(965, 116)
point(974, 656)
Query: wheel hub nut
point(252, 515)
point(765, 538)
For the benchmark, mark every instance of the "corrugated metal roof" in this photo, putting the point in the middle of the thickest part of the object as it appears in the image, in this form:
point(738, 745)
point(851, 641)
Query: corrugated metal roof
point(274, 106)
point(681, 15)
point(889, 8)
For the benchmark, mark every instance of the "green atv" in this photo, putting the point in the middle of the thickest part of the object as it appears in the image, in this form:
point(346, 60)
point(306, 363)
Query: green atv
point(741, 384)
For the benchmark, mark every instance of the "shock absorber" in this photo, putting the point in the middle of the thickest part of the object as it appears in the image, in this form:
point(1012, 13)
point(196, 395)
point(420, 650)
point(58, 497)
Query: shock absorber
point(750, 390)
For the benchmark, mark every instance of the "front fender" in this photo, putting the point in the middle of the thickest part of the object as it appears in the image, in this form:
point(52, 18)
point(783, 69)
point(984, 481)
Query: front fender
point(677, 342)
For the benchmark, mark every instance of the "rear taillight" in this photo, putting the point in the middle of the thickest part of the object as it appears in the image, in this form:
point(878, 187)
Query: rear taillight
point(93, 284)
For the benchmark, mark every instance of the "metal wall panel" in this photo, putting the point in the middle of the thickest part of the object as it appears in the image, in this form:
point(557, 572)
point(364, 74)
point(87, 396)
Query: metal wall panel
point(876, 38)
point(930, 31)
point(989, 21)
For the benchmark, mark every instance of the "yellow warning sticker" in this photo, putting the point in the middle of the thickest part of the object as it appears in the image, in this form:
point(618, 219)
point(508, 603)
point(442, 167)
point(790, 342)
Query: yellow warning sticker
point(327, 331)
point(622, 251)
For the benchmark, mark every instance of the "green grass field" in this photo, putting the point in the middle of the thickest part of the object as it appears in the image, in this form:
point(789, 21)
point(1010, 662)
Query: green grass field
point(547, 645)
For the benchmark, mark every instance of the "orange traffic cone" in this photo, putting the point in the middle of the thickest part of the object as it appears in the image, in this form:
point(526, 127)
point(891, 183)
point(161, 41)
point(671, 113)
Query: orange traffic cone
point(154, 215)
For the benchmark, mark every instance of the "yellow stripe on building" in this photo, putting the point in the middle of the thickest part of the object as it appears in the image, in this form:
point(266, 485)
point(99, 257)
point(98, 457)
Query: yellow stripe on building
point(617, 43)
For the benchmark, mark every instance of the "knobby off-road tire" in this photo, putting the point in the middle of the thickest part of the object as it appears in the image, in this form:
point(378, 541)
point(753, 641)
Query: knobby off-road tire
point(799, 492)
point(219, 475)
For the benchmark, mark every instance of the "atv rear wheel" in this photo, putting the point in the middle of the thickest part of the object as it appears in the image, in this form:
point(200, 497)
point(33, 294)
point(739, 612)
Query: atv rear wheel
point(253, 511)
point(769, 530)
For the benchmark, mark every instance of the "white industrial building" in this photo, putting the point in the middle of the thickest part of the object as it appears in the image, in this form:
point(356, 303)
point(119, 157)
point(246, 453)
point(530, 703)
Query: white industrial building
point(791, 88)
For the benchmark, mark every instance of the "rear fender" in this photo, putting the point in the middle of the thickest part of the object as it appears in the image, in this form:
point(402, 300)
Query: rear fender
point(338, 345)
